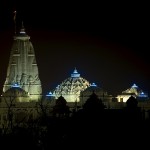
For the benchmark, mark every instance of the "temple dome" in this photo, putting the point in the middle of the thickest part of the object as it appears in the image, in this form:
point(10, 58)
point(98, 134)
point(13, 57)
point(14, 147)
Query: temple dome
point(16, 94)
point(135, 91)
point(93, 88)
point(71, 87)
point(100, 92)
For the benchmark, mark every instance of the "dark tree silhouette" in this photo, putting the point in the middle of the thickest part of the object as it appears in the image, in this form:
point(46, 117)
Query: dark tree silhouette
point(133, 114)
point(61, 108)
point(132, 102)
point(93, 103)
point(88, 123)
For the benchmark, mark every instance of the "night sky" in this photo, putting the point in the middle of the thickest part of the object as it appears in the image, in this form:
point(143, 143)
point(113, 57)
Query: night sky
point(106, 42)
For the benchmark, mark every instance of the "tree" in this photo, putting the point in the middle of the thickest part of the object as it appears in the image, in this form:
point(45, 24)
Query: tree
point(132, 102)
point(61, 107)
point(133, 112)
point(9, 103)
point(93, 103)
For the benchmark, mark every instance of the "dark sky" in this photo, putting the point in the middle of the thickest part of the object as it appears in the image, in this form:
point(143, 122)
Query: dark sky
point(106, 42)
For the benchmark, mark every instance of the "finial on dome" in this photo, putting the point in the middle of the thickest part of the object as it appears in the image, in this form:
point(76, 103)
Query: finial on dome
point(134, 86)
point(93, 84)
point(50, 94)
point(75, 70)
point(75, 73)
point(15, 85)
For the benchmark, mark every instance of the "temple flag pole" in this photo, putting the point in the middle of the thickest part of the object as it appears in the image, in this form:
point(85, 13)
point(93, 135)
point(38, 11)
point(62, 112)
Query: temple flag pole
point(15, 20)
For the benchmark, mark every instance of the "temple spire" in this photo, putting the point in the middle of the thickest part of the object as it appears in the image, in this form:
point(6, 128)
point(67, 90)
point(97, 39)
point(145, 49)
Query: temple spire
point(22, 67)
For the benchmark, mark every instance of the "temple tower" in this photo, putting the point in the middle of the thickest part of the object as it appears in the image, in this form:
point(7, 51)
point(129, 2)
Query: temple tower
point(22, 69)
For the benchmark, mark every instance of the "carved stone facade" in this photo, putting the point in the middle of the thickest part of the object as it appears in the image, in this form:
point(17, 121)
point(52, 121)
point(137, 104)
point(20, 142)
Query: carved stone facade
point(71, 87)
point(22, 69)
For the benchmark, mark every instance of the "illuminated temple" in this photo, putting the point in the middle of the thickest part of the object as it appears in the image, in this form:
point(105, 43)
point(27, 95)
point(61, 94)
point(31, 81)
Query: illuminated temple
point(22, 70)
point(22, 90)
point(23, 76)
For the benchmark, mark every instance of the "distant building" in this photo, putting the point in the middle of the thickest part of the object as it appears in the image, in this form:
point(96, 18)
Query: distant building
point(100, 92)
point(135, 91)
